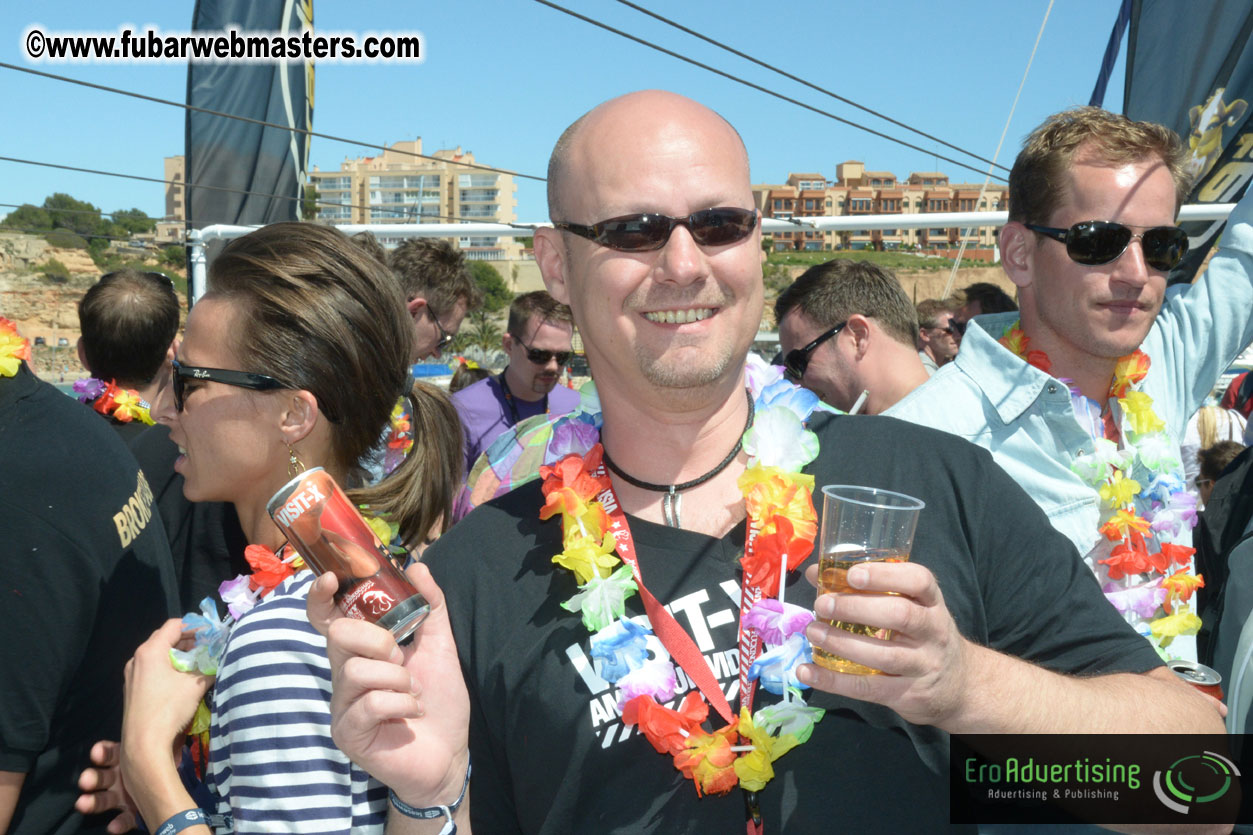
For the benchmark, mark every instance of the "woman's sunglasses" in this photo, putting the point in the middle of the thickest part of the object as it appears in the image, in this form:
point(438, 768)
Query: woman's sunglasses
point(1094, 242)
point(647, 232)
point(241, 379)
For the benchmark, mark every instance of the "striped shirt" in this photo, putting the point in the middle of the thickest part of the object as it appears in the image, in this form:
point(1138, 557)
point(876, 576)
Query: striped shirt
point(272, 762)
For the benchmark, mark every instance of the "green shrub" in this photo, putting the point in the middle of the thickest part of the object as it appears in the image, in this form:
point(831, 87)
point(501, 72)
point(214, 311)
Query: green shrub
point(776, 276)
point(174, 256)
point(65, 239)
point(496, 293)
point(54, 271)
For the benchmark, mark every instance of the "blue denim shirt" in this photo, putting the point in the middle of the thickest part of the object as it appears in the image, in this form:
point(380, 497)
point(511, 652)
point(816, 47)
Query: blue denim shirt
point(1024, 417)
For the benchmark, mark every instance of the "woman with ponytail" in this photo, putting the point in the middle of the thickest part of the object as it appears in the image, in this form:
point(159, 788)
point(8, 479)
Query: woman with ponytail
point(296, 357)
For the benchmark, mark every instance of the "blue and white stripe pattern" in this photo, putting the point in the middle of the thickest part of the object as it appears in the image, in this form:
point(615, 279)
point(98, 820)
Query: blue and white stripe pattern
point(271, 757)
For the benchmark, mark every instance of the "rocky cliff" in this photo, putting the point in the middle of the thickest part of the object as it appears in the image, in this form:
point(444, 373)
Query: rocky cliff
point(45, 307)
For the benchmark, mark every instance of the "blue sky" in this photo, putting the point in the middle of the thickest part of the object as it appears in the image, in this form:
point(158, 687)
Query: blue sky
point(503, 78)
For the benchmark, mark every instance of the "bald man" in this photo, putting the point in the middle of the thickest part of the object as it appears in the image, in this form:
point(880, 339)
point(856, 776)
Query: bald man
point(656, 248)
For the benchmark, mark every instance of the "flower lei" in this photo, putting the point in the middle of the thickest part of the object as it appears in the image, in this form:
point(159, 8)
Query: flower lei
point(243, 592)
point(782, 525)
point(14, 348)
point(399, 440)
point(240, 594)
point(1151, 590)
point(111, 400)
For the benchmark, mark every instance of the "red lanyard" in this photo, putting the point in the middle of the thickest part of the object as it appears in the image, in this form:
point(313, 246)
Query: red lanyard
point(683, 650)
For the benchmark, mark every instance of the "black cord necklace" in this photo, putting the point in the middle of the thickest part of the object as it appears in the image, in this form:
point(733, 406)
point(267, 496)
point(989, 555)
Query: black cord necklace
point(671, 502)
point(513, 407)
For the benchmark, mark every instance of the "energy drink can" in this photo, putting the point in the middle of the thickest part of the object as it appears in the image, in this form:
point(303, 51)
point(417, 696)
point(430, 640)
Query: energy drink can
point(1199, 676)
point(330, 534)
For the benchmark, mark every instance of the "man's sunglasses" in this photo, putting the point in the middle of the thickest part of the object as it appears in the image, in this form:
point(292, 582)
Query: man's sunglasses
point(647, 232)
point(241, 379)
point(951, 329)
point(797, 360)
point(444, 336)
point(539, 357)
point(1094, 242)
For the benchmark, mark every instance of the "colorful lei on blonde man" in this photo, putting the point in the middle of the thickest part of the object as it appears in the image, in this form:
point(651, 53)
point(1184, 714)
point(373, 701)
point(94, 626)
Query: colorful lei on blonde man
point(1150, 579)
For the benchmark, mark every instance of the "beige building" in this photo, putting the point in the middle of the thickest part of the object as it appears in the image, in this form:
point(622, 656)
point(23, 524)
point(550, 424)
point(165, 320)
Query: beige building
point(170, 228)
point(397, 187)
point(857, 191)
point(175, 201)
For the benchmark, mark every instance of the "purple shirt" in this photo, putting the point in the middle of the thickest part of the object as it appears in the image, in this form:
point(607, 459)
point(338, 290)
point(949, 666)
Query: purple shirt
point(485, 413)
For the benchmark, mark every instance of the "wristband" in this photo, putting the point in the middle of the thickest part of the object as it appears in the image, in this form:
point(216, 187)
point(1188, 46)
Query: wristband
point(432, 812)
point(181, 821)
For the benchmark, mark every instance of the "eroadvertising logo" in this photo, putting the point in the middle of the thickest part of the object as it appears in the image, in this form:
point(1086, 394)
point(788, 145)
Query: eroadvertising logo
point(1100, 779)
point(1195, 779)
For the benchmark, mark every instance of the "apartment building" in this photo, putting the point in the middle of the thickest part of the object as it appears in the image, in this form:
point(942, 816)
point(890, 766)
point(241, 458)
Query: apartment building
point(857, 191)
point(397, 187)
point(170, 228)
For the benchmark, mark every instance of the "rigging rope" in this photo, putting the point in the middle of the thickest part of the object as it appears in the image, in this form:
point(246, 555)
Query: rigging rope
point(952, 276)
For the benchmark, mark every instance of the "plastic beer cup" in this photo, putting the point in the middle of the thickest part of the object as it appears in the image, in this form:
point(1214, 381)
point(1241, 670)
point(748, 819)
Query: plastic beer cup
point(859, 525)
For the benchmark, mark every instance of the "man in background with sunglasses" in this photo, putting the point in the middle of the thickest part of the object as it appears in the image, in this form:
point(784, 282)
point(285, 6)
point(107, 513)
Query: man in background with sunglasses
point(657, 249)
point(537, 342)
point(1090, 241)
point(939, 336)
point(847, 333)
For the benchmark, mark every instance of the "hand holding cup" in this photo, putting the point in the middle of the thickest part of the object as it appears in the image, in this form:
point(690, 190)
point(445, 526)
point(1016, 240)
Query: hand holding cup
point(860, 525)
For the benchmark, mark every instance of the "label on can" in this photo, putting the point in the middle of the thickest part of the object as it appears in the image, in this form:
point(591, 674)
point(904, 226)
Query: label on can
point(330, 534)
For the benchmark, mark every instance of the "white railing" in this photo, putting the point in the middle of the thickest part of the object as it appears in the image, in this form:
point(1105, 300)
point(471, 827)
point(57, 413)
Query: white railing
point(197, 238)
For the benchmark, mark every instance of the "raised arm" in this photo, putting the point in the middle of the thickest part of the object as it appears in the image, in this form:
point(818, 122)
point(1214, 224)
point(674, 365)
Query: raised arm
point(402, 715)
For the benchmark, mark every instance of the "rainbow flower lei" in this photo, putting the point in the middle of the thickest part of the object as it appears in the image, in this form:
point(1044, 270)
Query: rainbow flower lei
point(111, 400)
point(14, 348)
point(782, 526)
point(399, 440)
point(244, 591)
point(1150, 588)
point(240, 594)
point(212, 630)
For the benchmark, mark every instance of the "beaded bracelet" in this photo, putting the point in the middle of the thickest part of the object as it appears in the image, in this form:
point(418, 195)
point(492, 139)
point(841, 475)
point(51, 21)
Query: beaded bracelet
point(431, 812)
point(179, 822)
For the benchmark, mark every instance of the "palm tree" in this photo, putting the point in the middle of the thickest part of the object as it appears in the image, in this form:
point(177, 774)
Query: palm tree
point(484, 333)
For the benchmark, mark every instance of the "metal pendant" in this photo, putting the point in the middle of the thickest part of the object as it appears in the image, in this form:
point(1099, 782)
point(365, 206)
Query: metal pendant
point(671, 505)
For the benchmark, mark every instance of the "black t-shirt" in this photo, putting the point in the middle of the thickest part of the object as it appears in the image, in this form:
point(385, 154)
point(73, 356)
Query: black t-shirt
point(85, 577)
point(205, 538)
point(549, 750)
